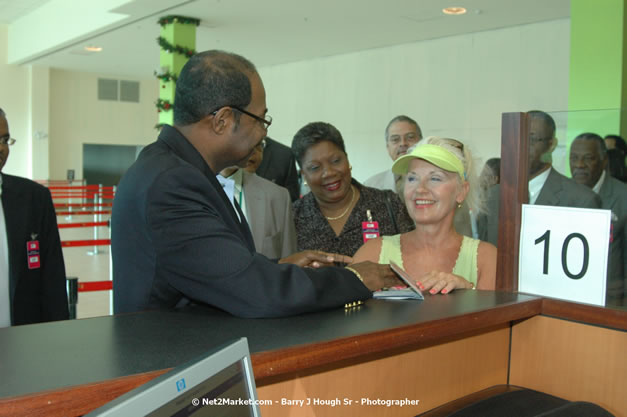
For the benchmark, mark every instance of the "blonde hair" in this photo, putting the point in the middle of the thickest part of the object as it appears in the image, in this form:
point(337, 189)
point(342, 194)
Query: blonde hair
point(473, 198)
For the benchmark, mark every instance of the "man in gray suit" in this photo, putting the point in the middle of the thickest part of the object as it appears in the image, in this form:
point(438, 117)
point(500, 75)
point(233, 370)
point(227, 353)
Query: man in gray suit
point(546, 186)
point(588, 164)
point(267, 207)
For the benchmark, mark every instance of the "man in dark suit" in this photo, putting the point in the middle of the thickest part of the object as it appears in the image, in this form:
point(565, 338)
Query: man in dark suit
point(178, 240)
point(32, 273)
point(588, 164)
point(546, 186)
point(278, 165)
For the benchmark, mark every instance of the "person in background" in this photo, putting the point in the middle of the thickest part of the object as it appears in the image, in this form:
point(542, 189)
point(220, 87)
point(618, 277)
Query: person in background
point(546, 186)
point(588, 165)
point(616, 153)
point(278, 166)
point(266, 206)
point(490, 174)
point(333, 216)
point(401, 133)
point(32, 271)
point(439, 177)
point(178, 241)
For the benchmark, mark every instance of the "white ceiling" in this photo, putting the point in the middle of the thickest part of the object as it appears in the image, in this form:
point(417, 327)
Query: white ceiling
point(267, 32)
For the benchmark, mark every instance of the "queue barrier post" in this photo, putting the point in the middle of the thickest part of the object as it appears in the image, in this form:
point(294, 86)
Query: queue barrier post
point(72, 295)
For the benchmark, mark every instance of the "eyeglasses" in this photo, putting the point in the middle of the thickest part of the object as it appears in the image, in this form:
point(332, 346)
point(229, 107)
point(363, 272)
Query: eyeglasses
point(534, 140)
point(266, 122)
point(7, 140)
point(261, 145)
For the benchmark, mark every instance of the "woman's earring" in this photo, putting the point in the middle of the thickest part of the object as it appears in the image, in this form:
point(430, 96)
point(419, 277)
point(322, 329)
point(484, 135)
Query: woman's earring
point(459, 205)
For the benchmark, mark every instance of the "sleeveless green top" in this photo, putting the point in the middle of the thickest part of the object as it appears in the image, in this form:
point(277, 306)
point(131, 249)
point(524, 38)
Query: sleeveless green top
point(465, 266)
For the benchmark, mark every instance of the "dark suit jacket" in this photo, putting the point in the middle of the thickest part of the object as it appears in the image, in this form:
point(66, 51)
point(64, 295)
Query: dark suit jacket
point(37, 295)
point(176, 239)
point(613, 195)
point(278, 165)
point(557, 191)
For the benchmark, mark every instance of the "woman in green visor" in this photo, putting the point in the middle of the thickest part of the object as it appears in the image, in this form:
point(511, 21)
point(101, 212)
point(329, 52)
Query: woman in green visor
point(439, 177)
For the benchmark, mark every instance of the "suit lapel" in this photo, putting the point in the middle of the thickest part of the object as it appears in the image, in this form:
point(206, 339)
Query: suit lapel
point(255, 209)
point(13, 204)
point(607, 193)
point(551, 191)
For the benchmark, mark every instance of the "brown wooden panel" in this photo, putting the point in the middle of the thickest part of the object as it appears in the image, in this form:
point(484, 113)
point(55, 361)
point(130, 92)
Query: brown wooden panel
point(513, 185)
point(575, 361)
point(608, 317)
point(432, 375)
point(73, 401)
point(287, 361)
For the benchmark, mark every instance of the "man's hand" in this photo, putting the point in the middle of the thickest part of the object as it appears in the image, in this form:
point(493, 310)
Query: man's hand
point(376, 276)
point(315, 259)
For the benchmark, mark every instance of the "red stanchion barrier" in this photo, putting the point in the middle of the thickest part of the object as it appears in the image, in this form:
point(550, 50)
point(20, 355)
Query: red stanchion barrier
point(84, 224)
point(64, 205)
point(93, 242)
point(82, 213)
point(95, 286)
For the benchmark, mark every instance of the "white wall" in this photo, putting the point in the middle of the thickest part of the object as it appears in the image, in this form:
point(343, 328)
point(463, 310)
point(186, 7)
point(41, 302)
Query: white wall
point(456, 86)
point(78, 117)
point(14, 100)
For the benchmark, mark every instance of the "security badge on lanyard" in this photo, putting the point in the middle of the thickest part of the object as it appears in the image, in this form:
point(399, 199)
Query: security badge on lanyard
point(32, 252)
point(369, 229)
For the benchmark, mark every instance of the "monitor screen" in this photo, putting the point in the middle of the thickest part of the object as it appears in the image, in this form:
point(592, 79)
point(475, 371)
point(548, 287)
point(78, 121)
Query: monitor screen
point(220, 383)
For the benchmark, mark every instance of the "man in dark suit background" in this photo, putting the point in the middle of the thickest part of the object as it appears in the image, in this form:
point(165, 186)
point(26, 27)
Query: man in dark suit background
point(32, 272)
point(588, 164)
point(278, 165)
point(178, 240)
point(546, 186)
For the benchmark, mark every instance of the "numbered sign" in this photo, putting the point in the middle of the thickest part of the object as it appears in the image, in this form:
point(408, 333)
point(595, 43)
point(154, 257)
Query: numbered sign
point(563, 252)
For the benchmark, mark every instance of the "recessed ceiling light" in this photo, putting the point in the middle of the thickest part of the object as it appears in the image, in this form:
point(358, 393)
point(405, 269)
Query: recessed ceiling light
point(93, 48)
point(454, 10)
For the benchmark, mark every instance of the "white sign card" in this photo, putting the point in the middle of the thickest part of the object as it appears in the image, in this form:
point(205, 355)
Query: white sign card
point(564, 252)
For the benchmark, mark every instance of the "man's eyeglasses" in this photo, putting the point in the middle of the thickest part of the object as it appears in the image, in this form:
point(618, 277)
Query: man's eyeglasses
point(261, 145)
point(7, 140)
point(534, 140)
point(266, 122)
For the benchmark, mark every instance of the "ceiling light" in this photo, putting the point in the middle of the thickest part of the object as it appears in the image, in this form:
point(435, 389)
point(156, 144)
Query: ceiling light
point(454, 10)
point(93, 48)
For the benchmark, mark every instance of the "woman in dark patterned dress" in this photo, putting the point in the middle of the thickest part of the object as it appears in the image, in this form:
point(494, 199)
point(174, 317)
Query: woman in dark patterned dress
point(331, 217)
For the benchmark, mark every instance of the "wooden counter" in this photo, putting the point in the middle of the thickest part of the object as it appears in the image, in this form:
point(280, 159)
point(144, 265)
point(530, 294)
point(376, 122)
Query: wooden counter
point(432, 351)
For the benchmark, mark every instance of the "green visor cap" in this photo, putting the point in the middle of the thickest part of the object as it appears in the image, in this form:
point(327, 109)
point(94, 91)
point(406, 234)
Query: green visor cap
point(437, 155)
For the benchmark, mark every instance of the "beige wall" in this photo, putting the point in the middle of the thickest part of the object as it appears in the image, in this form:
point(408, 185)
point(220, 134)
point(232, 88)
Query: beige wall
point(14, 100)
point(456, 86)
point(78, 117)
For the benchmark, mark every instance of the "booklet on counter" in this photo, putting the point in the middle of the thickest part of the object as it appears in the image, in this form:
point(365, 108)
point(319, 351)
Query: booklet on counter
point(410, 293)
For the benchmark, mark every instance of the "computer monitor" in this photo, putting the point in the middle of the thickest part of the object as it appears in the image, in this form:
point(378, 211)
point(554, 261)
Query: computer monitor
point(220, 383)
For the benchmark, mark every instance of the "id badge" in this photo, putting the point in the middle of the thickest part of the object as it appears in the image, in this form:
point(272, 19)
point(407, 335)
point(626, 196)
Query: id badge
point(32, 254)
point(369, 230)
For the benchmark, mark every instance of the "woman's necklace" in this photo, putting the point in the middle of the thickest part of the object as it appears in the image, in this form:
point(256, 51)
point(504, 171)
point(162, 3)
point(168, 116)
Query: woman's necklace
point(347, 207)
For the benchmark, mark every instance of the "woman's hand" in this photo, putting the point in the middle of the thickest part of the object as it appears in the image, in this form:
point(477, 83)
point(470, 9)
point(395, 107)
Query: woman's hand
point(442, 282)
point(315, 259)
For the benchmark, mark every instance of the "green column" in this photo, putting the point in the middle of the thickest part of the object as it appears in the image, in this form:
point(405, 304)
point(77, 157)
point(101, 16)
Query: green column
point(177, 34)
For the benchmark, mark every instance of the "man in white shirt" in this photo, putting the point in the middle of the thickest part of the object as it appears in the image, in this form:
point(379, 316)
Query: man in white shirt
point(588, 164)
point(546, 186)
point(401, 133)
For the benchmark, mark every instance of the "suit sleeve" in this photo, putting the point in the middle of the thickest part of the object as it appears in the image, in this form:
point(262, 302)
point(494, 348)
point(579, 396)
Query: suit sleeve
point(202, 255)
point(54, 295)
point(289, 230)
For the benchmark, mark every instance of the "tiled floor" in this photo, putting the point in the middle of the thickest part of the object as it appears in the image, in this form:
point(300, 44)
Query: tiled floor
point(87, 267)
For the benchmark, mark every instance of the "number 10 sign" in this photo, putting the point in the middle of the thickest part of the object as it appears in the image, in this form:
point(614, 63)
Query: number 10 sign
point(563, 252)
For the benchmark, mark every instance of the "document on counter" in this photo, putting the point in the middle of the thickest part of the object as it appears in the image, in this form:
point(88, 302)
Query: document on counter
point(412, 292)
